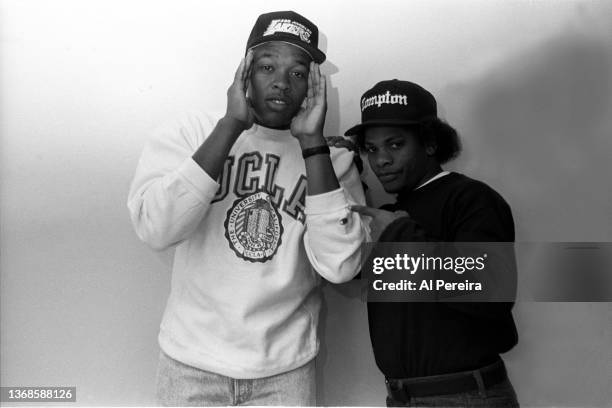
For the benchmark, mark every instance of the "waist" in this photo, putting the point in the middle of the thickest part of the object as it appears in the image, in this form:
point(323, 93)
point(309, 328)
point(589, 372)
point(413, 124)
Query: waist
point(401, 389)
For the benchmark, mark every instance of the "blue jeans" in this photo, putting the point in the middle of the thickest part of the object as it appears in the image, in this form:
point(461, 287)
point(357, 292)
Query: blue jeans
point(181, 385)
point(500, 395)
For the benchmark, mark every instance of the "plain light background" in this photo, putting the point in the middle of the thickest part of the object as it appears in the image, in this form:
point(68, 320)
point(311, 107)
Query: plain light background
point(528, 84)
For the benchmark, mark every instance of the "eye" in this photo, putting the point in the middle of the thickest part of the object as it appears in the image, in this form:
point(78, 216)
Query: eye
point(266, 68)
point(370, 149)
point(396, 145)
point(299, 74)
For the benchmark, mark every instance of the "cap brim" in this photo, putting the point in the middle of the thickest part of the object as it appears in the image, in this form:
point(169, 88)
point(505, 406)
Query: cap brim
point(357, 129)
point(317, 55)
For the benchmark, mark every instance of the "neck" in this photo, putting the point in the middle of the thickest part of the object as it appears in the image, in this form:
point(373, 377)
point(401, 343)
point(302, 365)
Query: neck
point(281, 127)
point(430, 173)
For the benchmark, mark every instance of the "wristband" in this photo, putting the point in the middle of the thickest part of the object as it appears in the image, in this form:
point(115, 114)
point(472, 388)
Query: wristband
point(311, 151)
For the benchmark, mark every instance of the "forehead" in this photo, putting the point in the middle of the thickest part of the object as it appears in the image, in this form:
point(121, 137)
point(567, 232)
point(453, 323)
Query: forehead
point(279, 49)
point(378, 134)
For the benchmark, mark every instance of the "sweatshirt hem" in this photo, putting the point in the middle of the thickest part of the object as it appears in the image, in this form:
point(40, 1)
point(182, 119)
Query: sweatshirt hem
point(208, 363)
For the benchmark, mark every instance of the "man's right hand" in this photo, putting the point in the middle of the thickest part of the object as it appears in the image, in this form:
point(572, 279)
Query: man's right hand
point(238, 105)
point(239, 117)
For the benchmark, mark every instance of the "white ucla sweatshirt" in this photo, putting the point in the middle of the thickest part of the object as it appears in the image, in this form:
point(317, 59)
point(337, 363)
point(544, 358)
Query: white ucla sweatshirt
point(244, 300)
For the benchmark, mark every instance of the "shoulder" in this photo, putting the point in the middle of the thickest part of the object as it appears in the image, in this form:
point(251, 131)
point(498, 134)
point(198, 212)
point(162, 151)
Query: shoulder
point(190, 128)
point(476, 200)
point(465, 188)
point(198, 123)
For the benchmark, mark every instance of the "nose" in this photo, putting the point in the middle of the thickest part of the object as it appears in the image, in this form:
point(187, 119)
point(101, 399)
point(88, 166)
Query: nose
point(281, 80)
point(382, 159)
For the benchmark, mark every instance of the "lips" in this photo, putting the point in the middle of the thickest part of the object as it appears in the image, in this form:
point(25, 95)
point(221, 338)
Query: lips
point(278, 102)
point(388, 176)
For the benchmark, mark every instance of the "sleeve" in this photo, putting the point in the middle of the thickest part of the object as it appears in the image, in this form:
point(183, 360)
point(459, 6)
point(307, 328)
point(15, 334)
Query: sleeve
point(334, 233)
point(482, 215)
point(170, 193)
point(477, 214)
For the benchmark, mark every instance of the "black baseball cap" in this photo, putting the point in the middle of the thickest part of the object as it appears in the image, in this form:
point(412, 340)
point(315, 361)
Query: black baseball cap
point(289, 27)
point(394, 103)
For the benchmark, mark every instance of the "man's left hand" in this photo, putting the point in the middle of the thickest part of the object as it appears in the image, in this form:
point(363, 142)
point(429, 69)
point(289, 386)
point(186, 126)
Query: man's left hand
point(307, 125)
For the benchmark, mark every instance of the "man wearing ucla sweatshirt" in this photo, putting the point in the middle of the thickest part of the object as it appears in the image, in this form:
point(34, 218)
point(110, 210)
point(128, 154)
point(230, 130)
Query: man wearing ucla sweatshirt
point(258, 208)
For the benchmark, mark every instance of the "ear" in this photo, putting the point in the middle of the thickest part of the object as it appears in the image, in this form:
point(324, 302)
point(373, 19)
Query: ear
point(431, 149)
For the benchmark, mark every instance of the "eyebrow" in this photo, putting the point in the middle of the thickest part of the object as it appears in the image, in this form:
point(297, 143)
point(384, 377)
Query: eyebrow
point(303, 62)
point(387, 139)
point(299, 59)
point(266, 55)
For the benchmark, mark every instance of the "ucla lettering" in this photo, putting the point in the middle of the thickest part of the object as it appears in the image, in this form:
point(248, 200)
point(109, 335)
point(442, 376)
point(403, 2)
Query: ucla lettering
point(224, 179)
point(275, 191)
point(246, 183)
point(297, 202)
point(255, 174)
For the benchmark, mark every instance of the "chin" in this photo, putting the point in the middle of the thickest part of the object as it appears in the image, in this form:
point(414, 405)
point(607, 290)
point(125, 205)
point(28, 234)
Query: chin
point(390, 189)
point(275, 119)
point(393, 188)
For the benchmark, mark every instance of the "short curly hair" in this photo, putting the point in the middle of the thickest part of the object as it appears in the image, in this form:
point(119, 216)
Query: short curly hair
point(434, 132)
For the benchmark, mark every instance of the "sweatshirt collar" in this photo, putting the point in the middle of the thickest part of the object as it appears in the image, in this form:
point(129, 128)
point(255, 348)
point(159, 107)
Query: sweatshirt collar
point(269, 133)
point(404, 195)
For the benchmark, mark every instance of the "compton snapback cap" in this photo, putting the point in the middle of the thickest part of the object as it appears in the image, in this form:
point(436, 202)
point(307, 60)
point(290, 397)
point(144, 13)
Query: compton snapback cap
point(395, 102)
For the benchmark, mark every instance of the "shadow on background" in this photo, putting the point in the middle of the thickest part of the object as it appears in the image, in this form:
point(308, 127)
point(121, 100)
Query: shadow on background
point(537, 126)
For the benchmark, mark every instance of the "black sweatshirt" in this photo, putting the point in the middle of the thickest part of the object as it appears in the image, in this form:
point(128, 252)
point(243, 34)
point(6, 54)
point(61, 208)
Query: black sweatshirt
point(421, 339)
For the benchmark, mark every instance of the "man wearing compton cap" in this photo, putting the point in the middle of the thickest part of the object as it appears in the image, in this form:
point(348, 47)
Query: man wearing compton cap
point(251, 201)
point(439, 354)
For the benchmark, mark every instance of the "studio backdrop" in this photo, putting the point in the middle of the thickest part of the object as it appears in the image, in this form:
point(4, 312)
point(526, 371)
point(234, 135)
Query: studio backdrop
point(528, 84)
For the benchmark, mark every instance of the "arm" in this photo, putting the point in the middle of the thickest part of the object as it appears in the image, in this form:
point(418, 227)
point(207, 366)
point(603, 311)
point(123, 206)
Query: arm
point(239, 117)
point(333, 233)
point(479, 217)
point(476, 215)
point(484, 216)
point(307, 127)
point(171, 191)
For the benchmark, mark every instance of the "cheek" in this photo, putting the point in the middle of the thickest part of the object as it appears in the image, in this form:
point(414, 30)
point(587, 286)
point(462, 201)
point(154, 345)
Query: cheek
point(300, 89)
point(255, 91)
point(403, 159)
point(371, 160)
point(410, 167)
point(257, 84)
